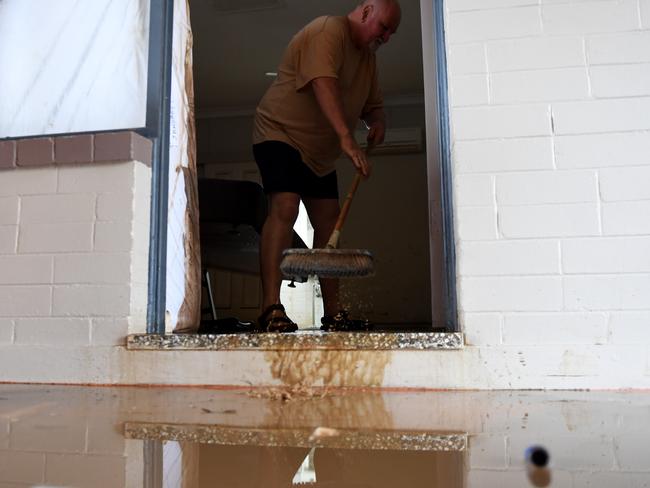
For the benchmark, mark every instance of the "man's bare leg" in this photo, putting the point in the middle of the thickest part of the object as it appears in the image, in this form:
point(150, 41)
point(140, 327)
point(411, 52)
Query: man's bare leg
point(277, 234)
point(323, 213)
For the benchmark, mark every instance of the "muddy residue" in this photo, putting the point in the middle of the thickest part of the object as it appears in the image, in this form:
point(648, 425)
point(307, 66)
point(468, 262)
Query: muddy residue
point(329, 368)
point(339, 409)
point(313, 391)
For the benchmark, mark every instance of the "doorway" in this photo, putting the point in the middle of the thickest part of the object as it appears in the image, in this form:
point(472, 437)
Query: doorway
point(396, 214)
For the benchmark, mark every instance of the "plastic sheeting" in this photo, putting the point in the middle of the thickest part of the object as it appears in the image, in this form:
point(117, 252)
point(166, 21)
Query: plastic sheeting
point(183, 294)
point(72, 66)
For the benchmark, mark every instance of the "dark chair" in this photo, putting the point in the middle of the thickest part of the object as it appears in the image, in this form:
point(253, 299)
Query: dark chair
point(232, 214)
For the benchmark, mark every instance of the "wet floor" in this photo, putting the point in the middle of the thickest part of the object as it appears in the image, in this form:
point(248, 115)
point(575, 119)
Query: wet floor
point(192, 437)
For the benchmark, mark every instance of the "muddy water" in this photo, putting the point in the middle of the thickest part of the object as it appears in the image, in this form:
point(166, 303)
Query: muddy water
point(193, 437)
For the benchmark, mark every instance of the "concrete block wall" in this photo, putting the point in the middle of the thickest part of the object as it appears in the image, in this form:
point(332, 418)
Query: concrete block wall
point(593, 440)
point(74, 244)
point(550, 111)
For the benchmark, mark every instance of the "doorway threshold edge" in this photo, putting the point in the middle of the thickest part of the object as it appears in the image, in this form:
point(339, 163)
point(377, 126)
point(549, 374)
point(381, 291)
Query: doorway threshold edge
point(302, 340)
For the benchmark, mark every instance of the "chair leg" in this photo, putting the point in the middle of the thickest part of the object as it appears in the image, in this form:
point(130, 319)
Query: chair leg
point(208, 284)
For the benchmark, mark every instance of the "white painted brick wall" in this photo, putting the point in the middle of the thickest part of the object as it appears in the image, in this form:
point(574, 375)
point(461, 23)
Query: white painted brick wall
point(25, 301)
point(535, 53)
point(53, 331)
point(606, 255)
point(475, 189)
point(645, 13)
point(628, 47)
point(113, 237)
point(493, 24)
point(539, 85)
point(92, 268)
point(91, 300)
point(623, 80)
point(546, 187)
point(29, 181)
point(460, 5)
point(602, 150)
point(511, 293)
point(607, 292)
point(55, 237)
point(590, 17)
point(467, 59)
point(534, 221)
point(69, 255)
point(25, 270)
point(562, 328)
point(558, 158)
point(8, 238)
point(469, 90)
point(509, 258)
point(501, 121)
point(625, 184)
point(476, 223)
point(610, 115)
point(487, 156)
point(626, 218)
point(109, 331)
point(482, 328)
point(8, 210)
point(40, 209)
point(629, 327)
point(6, 333)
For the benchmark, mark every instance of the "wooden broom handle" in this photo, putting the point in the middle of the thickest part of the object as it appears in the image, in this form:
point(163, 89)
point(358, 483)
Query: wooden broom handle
point(333, 242)
point(348, 201)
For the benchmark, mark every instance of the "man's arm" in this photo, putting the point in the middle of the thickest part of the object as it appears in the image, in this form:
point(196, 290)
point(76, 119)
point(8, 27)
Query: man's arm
point(328, 95)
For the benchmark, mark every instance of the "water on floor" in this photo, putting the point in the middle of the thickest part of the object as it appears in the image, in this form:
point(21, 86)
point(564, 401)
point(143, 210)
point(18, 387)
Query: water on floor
point(62, 436)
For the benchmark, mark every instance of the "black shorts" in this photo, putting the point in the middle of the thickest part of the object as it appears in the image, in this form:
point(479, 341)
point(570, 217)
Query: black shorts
point(283, 170)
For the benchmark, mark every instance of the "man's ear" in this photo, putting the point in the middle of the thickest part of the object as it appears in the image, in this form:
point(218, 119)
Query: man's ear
point(366, 12)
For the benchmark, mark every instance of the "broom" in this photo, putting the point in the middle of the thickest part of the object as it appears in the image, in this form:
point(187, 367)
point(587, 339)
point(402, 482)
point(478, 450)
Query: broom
point(330, 262)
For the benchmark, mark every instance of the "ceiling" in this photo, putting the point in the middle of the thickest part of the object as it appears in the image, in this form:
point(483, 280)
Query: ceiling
point(237, 41)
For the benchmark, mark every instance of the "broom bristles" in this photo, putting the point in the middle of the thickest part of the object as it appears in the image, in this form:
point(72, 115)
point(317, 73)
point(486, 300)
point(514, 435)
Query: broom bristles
point(327, 263)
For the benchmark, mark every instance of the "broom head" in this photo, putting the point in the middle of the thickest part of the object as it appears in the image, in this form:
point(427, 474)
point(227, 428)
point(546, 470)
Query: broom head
point(327, 263)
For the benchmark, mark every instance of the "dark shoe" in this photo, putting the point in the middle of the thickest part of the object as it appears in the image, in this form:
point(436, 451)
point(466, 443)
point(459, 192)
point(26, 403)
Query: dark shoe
point(341, 322)
point(279, 322)
point(229, 325)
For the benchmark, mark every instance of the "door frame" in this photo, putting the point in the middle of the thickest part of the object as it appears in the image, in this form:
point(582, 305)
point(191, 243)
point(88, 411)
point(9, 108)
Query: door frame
point(437, 134)
point(439, 161)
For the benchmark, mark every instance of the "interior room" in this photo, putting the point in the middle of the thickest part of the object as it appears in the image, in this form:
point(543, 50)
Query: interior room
point(237, 47)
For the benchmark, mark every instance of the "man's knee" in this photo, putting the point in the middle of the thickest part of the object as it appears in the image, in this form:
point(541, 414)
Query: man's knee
point(323, 216)
point(285, 208)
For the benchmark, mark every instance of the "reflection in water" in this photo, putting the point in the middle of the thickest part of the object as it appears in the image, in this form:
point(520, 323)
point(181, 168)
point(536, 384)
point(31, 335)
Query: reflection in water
point(537, 459)
point(280, 467)
point(194, 437)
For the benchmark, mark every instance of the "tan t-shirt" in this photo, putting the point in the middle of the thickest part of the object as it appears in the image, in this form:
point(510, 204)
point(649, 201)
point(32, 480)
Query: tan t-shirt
point(289, 112)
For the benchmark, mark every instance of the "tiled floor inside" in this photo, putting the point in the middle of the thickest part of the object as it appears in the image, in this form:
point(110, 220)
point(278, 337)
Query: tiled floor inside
point(197, 437)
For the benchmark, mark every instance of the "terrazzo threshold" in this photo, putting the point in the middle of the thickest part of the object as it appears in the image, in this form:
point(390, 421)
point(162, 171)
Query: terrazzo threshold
point(370, 439)
point(301, 340)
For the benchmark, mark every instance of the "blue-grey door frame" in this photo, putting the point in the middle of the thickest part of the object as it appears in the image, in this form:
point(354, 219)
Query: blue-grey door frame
point(157, 129)
point(446, 187)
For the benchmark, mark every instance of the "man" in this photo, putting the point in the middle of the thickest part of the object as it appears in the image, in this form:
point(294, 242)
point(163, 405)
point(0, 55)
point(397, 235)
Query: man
point(326, 81)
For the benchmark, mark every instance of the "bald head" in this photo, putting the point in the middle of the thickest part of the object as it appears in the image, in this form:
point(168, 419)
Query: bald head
point(373, 22)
